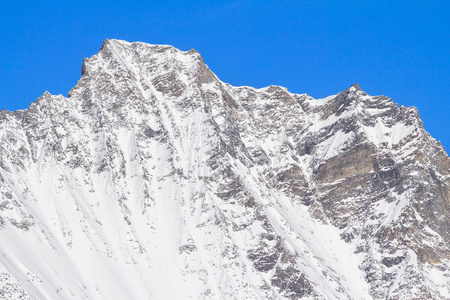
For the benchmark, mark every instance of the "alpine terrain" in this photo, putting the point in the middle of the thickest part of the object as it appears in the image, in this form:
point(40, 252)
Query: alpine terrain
point(153, 179)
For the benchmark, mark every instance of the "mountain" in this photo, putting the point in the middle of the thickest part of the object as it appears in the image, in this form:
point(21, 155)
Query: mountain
point(155, 180)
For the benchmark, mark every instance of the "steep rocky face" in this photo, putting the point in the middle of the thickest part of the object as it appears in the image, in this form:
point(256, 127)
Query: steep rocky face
point(155, 180)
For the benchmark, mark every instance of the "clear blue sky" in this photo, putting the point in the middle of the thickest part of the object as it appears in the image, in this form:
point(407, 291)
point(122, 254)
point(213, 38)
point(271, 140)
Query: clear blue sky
point(400, 49)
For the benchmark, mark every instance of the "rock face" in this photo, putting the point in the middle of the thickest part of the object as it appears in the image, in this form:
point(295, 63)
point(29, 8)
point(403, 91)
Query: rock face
point(155, 180)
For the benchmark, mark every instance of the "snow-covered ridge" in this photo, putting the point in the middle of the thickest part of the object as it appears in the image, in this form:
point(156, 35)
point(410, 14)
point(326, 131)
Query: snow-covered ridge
point(155, 180)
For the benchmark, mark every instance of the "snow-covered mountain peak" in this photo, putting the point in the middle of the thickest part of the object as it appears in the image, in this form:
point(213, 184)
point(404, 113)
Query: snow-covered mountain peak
point(155, 180)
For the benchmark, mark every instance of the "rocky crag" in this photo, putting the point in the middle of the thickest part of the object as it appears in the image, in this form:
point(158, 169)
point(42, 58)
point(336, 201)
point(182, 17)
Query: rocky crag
point(155, 180)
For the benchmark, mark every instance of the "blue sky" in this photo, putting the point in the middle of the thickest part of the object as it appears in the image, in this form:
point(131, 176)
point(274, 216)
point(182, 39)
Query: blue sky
point(396, 48)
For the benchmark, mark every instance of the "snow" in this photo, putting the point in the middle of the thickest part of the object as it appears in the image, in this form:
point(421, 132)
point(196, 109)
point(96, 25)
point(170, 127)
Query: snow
point(380, 133)
point(322, 101)
point(334, 144)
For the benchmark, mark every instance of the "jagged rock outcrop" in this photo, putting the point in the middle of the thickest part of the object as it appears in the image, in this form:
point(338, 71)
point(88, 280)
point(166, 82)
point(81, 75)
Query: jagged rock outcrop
point(155, 180)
